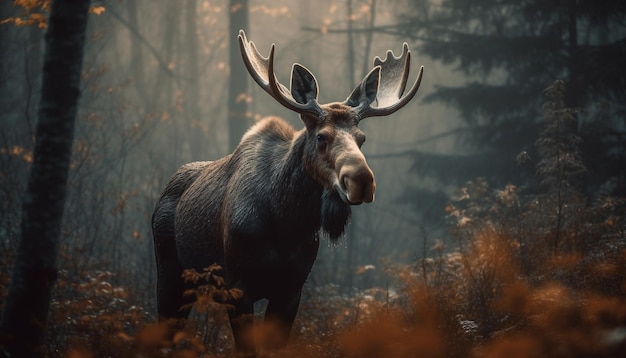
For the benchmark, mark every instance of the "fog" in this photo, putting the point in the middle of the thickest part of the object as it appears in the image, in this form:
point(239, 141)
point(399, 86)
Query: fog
point(155, 94)
point(148, 108)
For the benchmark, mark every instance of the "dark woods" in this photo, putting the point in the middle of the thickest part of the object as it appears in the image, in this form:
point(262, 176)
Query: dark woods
point(25, 312)
point(498, 225)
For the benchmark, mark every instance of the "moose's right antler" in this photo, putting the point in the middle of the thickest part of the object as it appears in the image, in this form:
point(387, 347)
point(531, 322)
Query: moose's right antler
point(394, 72)
point(303, 83)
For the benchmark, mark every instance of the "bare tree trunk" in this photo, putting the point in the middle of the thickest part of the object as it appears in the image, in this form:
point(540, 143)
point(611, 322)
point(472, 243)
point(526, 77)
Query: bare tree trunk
point(192, 115)
point(352, 232)
point(24, 318)
point(136, 58)
point(369, 37)
point(238, 83)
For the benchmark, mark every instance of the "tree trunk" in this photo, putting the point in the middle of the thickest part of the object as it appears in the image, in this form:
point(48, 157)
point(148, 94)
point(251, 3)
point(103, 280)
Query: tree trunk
point(573, 96)
point(136, 58)
point(238, 82)
point(193, 119)
point(352, 235)
point(24, 318)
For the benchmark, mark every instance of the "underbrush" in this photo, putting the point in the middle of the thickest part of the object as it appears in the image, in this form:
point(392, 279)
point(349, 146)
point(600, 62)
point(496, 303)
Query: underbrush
point(486, 299)
point(524, 273)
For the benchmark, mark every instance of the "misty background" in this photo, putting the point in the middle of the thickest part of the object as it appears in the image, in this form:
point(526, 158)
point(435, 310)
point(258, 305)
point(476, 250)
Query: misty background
point(156, 93)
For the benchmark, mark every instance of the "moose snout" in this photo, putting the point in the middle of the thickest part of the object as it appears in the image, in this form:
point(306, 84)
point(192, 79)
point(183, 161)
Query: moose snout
point(357, 183)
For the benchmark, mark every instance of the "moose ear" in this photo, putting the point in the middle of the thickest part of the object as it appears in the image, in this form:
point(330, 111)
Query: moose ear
point(365, 93)
point(303, 84)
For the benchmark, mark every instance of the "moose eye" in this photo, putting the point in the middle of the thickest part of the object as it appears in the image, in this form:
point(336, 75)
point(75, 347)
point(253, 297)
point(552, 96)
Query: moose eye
point(360, 139)
point(321, 142)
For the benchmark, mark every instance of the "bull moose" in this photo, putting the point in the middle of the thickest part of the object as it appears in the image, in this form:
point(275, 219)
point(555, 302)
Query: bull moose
point(259, 211)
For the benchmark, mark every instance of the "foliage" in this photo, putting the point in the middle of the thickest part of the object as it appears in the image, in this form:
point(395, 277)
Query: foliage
point(210, 302)
point(505, 52)
point(558, 144)
point(524, 271)
point(514, 48)
point(91, 317)
point(532, 273)
point(539, 273)
point(507, 289)
point(34, 12)
point(560, 163)
point(210, 291)
point(91, 314)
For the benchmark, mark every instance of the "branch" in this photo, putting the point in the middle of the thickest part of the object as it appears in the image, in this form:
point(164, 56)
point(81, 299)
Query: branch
point(145, 42)
point(394, 30)
point(411, 152)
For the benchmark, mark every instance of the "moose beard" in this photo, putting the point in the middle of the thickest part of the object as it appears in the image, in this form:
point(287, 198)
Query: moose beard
point(335, 214)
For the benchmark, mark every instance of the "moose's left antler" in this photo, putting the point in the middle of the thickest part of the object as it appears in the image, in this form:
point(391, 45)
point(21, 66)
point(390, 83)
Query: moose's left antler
point(303, 83)
point(394, 72)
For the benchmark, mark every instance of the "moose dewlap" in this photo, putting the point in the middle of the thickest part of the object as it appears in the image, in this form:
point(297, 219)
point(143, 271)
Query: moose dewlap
point(258, 211)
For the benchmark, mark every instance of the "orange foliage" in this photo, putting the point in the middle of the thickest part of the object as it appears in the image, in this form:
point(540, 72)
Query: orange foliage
point(388, 336)
point(35, 12)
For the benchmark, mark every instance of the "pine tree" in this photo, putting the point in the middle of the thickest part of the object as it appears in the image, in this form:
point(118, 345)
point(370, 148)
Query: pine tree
point(560, 164)
point(509, 51)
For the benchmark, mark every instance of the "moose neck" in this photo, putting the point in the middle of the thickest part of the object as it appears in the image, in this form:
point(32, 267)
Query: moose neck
point(320, 207)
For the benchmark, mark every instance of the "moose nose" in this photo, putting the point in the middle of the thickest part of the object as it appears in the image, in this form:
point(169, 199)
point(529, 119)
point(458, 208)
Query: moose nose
point(357, 182)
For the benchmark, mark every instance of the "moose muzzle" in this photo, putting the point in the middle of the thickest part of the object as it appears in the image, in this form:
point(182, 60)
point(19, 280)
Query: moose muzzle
point(356, 180)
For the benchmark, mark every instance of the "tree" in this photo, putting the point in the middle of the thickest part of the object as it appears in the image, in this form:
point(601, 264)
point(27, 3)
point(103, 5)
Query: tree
point(238, 82)
point(24, 318)
point(509, 52)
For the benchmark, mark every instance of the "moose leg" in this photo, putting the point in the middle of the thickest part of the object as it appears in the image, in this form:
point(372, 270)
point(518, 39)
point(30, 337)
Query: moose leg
point(279, 316)
point(170, 284)
point(241, 321)
point(170, 289)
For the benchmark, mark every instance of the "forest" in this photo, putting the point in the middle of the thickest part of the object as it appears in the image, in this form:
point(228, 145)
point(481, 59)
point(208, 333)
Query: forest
point(499, 225)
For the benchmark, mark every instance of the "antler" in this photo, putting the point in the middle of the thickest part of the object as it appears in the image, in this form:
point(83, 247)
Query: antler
point(262, 70)
point(394, 72)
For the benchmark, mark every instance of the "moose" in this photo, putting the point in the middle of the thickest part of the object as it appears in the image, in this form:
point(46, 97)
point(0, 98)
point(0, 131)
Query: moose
point(259, 211)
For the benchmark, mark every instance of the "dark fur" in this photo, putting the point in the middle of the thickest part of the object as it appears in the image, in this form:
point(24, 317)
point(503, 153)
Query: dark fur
point(256, 212)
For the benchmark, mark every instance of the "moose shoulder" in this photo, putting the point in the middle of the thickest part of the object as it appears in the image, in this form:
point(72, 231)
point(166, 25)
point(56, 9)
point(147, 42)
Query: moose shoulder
point(258, 211)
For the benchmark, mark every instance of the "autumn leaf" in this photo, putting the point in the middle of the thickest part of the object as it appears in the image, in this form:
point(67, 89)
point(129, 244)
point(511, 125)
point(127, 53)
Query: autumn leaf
point(96, 10)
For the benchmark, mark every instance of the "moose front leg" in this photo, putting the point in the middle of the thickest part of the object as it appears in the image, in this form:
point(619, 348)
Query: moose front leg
point(241, 317)
point(279, 316)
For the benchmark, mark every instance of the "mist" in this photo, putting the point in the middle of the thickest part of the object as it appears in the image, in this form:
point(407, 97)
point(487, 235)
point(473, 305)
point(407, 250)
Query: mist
point(468, 159)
